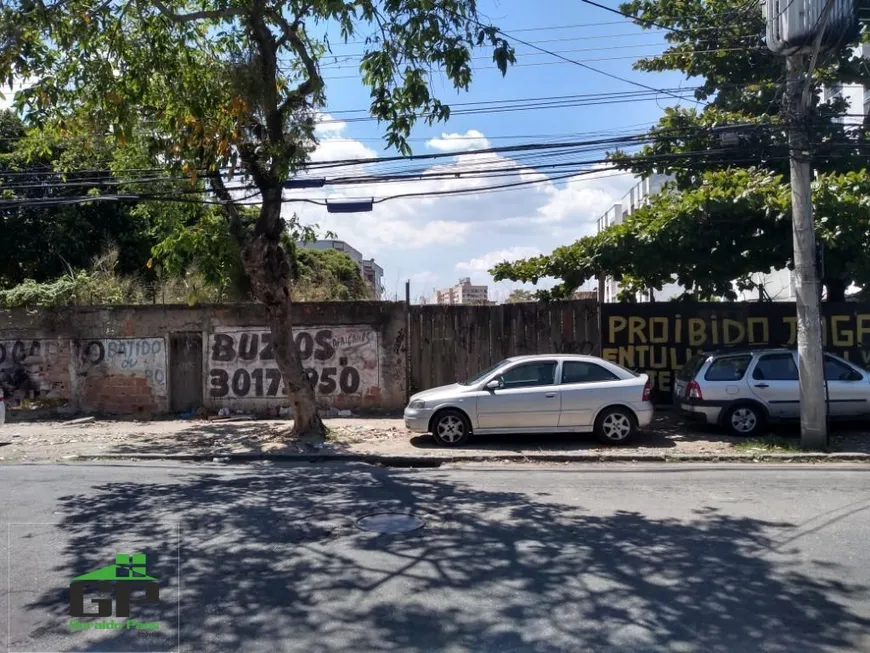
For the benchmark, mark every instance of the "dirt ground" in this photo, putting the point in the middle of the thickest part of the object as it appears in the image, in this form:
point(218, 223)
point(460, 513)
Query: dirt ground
point(45, 441)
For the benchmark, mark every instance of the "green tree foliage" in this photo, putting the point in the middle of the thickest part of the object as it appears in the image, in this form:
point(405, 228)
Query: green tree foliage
point(328, 275)
point(236, 87)
point(44, 242)
point(519, 296)
point(101, 284)
point(725, 214)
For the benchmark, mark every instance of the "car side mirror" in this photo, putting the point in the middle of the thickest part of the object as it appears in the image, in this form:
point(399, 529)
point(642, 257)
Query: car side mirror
point(495, 384)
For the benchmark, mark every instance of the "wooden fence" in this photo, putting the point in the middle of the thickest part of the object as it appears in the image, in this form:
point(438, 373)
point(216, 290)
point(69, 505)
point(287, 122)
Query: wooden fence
point(452, 343)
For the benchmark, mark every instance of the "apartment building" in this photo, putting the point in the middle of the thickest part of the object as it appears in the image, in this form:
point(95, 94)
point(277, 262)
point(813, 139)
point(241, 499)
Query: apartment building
point(371, 272)
point(634, 199)
point(857, 96)
point(778, 284)
point(463, 293)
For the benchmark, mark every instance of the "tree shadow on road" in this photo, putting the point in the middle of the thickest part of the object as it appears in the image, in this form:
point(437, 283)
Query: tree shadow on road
point(249, 436)
point(275, 558)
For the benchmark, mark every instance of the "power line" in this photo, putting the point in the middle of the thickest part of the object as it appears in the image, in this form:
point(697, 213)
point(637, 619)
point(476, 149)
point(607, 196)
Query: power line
point(635, 18)
point(547, 28)
point(464, 162)
point(633, 46)
point(566, 60)
point(674, 158)
point(346, 62)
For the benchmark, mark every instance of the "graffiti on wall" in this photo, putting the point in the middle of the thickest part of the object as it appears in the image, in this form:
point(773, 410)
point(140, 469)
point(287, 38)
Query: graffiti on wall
point(125, 375)
point(32, 369)
point(658, 339)
point(145, 357)
point(341, 364)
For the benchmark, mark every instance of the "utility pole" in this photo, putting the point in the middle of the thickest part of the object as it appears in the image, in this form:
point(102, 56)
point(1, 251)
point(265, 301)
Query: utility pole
point(813, 402)
point(801, 31)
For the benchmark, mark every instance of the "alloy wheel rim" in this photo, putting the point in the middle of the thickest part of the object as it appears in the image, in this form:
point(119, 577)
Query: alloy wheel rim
point(450, 429)
point(616, 426)
point(744, 420)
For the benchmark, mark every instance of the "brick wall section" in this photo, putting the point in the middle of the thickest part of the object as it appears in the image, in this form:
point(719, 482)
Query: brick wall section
point(38, 367)
point(139, 383)
point(119, 396)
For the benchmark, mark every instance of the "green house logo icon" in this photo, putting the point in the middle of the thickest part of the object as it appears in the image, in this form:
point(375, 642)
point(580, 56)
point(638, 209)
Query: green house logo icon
point(124, 579)
point(128, 566)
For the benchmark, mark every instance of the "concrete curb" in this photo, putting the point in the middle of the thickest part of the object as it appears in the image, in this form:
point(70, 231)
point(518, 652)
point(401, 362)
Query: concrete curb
point(436, 461)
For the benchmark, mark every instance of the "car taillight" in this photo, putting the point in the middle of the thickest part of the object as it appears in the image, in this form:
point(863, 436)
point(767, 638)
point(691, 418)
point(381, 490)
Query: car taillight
point(647, 391)
point(693, 390)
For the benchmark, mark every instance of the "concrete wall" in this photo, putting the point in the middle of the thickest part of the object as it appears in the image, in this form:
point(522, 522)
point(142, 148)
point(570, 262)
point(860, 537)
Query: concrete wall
point(119, 360)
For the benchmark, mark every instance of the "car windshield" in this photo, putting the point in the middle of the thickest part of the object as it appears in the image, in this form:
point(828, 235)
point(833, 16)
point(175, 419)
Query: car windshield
point(477, 378)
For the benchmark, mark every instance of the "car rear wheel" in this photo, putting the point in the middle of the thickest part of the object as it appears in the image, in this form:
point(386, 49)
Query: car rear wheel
point(744, 420)
point(616, 426)
point(451, 428)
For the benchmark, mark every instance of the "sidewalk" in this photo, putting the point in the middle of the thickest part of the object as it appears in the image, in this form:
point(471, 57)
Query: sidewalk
point(385, 438)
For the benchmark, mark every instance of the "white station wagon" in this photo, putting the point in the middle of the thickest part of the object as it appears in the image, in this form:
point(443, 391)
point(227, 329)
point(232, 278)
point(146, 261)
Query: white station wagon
point(537, 394)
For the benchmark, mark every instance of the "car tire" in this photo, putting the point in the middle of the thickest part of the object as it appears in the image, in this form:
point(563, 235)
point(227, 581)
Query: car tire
point(744, 420)
point(451, 428)
point(615, 426)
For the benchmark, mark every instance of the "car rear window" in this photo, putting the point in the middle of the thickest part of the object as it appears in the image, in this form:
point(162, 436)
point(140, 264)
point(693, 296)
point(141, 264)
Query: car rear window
point(625, 369)
point(690, 369)
point(585, 372)
point(728, 368)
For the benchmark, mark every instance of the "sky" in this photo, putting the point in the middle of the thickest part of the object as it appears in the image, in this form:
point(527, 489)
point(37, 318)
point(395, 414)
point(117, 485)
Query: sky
point(435, 241)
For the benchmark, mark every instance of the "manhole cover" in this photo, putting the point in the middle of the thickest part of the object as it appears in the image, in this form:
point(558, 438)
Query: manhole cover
point(390, 522)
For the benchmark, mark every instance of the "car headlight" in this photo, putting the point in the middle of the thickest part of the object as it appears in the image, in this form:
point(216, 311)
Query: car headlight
point(417, 403)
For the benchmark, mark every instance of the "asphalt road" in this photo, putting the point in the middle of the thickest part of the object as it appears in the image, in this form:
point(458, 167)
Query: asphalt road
point(624, 558)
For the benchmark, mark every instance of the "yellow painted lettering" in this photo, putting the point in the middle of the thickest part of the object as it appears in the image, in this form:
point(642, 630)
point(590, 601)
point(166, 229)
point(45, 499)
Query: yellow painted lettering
point(841, 336)
point(863, 324)
point(697, 332)
point(733, 332)
point(660, 324)
point(658, 357)
point(636, 326)
point(626, 357)
point(616, 324)
point(791, 321)
point(664, 378)
point(759, 330)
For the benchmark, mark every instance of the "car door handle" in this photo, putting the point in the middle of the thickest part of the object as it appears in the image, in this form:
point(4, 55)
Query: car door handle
point(550, 395)
point(761, 385)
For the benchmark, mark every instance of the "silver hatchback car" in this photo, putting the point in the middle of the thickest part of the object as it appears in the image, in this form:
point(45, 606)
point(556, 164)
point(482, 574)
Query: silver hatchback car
point(743, 390)
point(537, 394)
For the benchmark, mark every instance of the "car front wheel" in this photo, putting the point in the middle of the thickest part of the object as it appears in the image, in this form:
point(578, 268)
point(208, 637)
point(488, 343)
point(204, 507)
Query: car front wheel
point(745, 420)
point(451, 428)
point(615, 426)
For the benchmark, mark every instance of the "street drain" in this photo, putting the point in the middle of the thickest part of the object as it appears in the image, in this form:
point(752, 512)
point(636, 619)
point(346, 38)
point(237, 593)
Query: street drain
point(390, 522)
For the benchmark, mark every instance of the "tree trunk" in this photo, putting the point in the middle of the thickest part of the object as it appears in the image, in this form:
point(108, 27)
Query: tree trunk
point(269, 273)
point(835, 290)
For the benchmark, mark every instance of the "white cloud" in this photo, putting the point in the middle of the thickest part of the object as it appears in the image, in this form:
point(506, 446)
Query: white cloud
point(333, 146)
point(485, 262)
point(434, 239)
point(327, 126)
point(592, 195)
point(470, 140)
